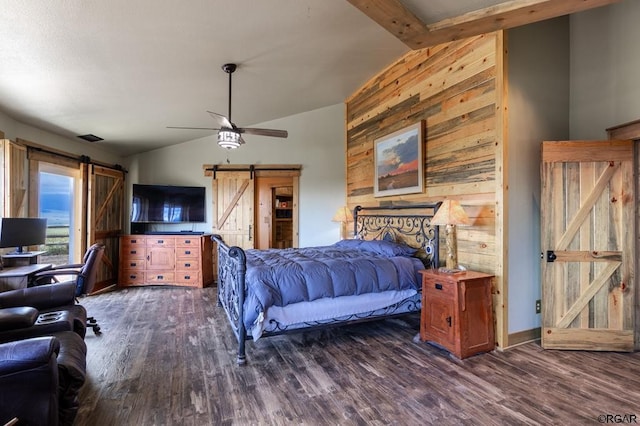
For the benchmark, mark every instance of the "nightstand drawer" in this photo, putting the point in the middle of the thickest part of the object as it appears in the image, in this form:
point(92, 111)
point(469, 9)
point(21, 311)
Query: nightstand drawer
point(438, 286)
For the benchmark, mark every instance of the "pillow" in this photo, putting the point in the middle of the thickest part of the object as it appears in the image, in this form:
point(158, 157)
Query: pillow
point(349, 244)
point(387, 248)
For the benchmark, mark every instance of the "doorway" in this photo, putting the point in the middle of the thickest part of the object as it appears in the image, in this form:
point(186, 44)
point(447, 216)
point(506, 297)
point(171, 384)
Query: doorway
point(58, 202)
point(245, 200)
point(282, 217)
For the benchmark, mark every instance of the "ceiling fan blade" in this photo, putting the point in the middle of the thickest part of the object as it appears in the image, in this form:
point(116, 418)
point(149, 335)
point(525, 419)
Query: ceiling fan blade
point(193, 128)
point(222, 120)
point(264, 132)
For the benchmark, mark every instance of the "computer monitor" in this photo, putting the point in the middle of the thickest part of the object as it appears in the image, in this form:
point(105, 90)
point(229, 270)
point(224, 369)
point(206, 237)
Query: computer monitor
point(19, 232)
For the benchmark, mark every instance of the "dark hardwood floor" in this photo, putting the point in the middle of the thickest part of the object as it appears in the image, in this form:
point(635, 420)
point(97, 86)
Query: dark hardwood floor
point(167, 357)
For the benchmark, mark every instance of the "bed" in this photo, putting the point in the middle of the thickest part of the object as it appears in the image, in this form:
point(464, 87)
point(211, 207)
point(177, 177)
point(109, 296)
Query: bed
point(372, 276)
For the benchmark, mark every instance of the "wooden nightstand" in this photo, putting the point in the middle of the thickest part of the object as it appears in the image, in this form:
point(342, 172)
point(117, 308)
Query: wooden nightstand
point(457, 311)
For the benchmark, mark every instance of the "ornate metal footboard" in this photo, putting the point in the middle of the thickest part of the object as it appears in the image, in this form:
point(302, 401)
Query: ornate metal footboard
point(232, 268)
point(407, 224)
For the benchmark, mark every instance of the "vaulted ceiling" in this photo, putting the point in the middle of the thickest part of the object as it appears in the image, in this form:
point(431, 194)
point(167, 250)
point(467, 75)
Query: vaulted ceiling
point(125, 70)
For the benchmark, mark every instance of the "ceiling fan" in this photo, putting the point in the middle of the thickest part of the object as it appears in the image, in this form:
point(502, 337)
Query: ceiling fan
point(230, 135)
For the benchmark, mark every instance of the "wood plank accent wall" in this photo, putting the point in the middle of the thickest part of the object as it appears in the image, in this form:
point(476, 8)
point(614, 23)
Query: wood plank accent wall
point(458, 89)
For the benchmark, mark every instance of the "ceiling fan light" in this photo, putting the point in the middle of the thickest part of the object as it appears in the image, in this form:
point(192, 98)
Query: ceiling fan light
point(228, 139)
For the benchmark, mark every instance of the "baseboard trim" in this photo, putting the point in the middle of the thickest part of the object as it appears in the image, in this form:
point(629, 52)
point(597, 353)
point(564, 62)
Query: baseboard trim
point(524, 336)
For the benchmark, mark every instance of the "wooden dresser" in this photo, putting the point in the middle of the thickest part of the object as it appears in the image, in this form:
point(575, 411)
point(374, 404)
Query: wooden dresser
point(169, 259)
point(457, 311)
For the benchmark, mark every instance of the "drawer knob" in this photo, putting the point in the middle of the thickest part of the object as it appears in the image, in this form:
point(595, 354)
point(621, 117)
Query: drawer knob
point(133, 252)
point(438, 286)
point(187, 265)
point(187, 252)
point(187, 241)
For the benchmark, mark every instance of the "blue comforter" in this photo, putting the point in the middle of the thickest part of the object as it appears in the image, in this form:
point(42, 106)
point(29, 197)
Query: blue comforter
point(281, 277)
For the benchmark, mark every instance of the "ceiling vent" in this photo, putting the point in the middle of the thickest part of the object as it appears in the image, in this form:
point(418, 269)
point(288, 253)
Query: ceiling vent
point(91, 138)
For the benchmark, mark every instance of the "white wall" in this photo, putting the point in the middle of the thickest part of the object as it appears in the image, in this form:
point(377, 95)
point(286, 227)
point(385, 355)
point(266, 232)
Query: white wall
point(605, 89)
point(316, 141)
point(14, 129)
point(538, 103)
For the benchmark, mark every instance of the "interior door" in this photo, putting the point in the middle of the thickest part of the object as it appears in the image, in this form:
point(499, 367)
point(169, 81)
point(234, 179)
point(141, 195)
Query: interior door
point(105, 218)
point(276, 226)
point(233, 207)
point(588, 232)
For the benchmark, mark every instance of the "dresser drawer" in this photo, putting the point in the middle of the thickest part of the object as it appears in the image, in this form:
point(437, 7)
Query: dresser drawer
point(188, 278)
point(188, 242)
point(160, 277)
point(128, 277)
point(187, 252)
point(133, 264)
point(187, 264)
point(161, 241)
point(134, 253)
point(132, 242)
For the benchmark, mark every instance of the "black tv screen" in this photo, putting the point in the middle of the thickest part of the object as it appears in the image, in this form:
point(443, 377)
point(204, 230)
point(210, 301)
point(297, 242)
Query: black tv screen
point(167, 204)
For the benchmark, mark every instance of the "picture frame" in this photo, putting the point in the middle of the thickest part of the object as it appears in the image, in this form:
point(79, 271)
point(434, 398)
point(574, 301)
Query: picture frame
point(398, 162)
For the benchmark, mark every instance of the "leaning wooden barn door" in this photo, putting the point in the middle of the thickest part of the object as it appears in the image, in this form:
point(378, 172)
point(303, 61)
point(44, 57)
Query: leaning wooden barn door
point(105, 218)
point(588, 233)
point(233, 205)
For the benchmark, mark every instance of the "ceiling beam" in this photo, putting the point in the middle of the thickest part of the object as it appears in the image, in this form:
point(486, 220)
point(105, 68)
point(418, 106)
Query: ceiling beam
point(394, 16)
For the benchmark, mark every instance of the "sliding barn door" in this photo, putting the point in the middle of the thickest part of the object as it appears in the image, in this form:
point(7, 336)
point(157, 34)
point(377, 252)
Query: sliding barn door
point(14, 179)
point(233, 207)
point(105, 218)
point(588, 204)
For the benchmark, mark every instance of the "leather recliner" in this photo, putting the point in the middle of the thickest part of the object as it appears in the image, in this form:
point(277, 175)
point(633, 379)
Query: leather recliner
point(42, 355)
point(40, 379)
point(56, 306)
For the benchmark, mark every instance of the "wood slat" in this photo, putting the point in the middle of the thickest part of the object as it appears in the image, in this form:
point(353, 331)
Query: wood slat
point(393, 16)
point(586, 151)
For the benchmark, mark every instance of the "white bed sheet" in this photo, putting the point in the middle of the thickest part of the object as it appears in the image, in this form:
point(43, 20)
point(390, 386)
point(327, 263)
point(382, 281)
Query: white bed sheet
point(328, 308)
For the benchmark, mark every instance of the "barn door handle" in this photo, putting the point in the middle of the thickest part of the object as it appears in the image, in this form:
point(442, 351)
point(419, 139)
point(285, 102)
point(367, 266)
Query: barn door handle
point(551, 256)
point(249, 232)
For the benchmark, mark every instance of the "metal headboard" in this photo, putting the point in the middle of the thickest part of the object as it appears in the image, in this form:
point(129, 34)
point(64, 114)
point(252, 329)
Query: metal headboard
point(409, 224)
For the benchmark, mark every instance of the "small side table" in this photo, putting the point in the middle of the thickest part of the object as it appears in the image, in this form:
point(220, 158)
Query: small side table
point(16, 277)
point(21, 259)
point(457, 312)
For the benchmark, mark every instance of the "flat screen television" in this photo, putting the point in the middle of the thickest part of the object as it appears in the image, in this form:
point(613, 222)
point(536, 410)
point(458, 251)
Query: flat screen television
point(167, 204)
point(20, 232)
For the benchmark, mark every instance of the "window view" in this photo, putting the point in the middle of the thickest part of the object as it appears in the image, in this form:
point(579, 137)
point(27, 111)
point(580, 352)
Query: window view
point(56, 205)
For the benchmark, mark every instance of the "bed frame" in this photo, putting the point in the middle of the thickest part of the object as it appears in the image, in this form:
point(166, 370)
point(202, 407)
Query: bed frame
point(408, 224)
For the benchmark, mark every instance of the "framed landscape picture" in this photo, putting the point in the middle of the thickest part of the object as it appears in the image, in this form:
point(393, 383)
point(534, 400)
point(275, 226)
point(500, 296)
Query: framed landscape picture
point(398, 162)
